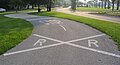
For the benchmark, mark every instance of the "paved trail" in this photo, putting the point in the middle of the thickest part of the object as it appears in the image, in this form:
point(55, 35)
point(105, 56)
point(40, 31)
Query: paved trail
point(86, 14)
point(56, 41)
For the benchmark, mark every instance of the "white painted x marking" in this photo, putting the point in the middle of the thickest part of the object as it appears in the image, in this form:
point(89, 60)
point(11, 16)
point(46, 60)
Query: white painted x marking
point(67, 43)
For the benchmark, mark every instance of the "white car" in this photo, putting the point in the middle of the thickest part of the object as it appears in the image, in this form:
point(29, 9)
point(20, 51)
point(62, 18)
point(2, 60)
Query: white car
point(69, 7)
point(2, 10)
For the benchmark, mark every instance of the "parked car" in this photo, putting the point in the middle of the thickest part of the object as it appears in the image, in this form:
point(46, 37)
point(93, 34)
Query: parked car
point(2, 10)
point(69, 7)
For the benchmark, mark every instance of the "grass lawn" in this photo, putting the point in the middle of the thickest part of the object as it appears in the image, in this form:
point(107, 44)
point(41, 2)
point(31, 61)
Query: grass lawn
point(12, 32)
point(92, 9)
point(114, 13)
point(110, 28)
point(100, 11)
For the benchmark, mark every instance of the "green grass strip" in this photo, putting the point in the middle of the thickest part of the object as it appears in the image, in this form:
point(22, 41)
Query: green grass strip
point(92, 9)
point(12, 32)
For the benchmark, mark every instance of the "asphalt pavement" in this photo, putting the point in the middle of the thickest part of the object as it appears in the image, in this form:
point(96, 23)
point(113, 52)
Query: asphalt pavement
point(56, 41)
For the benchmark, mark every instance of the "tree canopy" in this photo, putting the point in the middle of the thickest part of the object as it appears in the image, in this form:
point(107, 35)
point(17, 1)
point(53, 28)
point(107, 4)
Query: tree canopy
point(17, 4)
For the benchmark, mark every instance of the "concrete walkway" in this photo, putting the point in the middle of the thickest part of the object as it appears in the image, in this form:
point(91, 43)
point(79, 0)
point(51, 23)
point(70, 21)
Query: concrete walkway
point(86, 14)
point(56, 41)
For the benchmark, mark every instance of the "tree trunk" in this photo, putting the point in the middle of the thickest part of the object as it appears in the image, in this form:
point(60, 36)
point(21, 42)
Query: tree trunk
point(108, 4)
point(118, 3)
point(102, 4)
point(32, 6)
point(28, 6)
point(99, 4)
point(105, 4)
point(113, 2)
point(77, 3)
point(39, 8)
point(73, 5)
point(96, 4)
point(49, 5)
point(16, 7)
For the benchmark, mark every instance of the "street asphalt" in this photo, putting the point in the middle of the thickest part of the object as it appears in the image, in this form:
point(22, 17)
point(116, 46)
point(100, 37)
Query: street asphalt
point(56, 41)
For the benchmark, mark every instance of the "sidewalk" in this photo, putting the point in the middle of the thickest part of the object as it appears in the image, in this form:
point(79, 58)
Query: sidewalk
point(86, 14)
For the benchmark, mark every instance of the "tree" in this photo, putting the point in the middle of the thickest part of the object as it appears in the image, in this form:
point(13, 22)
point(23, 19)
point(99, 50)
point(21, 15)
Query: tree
point(59, 2)
point(16, 4)
point(102, 4)
point(20, 4)
point(105, 3)
point(90, 3)
point(118, 4)
point(49, 5)
point(108, 7)
point(32, 2)
point(95, 3)
point(41, 2)
point(73, 5)
point(113, 4)
point(77, 3)
point(27, 3)
point(4, 4)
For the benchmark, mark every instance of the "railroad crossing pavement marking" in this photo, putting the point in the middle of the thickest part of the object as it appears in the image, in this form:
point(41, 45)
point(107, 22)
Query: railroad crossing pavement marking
point(63, 27)
point(67, 43)
point(92, 42)
point(40, 41)
point(56, 22)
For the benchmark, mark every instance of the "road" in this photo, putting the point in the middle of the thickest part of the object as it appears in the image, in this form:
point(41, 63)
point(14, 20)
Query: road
point(56, 41)
point(86, 14)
